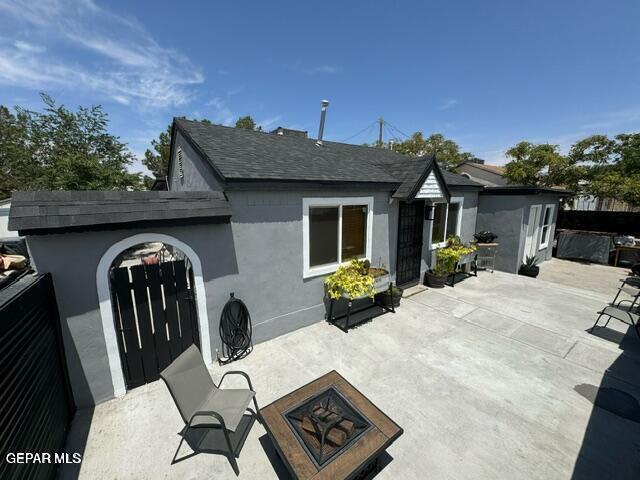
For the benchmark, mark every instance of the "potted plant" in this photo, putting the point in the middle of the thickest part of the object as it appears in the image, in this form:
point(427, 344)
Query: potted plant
point(446, 260)
point(350, 283)
point(386, 298)
point(529, 268)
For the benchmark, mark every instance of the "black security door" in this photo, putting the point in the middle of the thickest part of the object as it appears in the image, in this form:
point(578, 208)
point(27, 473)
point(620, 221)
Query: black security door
point(409, 242)
point(155, 315)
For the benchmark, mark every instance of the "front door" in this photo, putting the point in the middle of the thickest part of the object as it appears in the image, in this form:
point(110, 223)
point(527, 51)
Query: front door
point(531, 240)
point(411, 218)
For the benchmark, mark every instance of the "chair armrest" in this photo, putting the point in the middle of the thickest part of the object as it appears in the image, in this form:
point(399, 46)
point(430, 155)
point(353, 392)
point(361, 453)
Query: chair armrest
point(210, 413)
point(237, 372)
point(632, 281)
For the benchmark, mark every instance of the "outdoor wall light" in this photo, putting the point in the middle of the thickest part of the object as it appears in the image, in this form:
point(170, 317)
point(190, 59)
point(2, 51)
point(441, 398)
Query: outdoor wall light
point(428, 212)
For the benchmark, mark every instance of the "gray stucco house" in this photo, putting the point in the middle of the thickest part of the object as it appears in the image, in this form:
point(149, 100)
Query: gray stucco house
point(264, 215)
point(300, 209)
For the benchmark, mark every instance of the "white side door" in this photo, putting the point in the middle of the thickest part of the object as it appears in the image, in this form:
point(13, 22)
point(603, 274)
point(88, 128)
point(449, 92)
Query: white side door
point(532, 231)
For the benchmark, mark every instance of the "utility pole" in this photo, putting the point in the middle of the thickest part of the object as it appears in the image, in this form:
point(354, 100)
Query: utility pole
point(381, 122)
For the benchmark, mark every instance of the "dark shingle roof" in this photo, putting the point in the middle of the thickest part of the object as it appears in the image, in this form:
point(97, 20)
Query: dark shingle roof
point(455, 180)
point(59, 210)
point(240, 155)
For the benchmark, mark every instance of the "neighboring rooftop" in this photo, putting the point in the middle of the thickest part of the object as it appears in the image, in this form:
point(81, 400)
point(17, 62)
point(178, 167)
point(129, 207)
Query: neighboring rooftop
point(289, 131)
point(240, 155)
point(52, 211)
point(497, 169)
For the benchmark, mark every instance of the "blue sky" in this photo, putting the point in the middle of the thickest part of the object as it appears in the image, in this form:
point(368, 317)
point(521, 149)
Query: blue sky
point(484, 73)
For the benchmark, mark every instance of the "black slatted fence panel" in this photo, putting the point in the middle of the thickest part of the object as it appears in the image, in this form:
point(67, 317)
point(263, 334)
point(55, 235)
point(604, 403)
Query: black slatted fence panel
point(621, 223)
point(36, 406)
point(154, 308)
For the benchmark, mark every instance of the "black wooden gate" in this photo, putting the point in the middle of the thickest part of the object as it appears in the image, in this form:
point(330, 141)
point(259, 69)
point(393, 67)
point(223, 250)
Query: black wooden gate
point(155, 316)
point(410, 223)
point(36, 405)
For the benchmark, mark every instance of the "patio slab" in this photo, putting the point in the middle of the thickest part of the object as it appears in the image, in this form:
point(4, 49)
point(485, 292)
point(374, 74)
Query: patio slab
point(478, 399)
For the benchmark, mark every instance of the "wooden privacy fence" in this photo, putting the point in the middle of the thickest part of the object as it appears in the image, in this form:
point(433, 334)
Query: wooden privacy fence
point(622, 223)
point(36, 404)
point(155, 316)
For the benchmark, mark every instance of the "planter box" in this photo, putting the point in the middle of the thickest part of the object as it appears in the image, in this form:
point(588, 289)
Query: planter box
point(529, 271)
point(381, 283)
point(340, 306)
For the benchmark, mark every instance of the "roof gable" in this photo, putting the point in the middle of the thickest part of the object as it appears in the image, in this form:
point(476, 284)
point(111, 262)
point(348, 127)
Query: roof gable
point(431, 188)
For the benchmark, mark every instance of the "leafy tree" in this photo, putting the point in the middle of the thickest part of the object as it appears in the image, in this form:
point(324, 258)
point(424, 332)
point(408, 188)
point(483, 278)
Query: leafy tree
point(613, 166)
point(596, 165)
point(58, 149)
point(157, 160)
point(248, 123)
point(541, 164)
point(447, 151)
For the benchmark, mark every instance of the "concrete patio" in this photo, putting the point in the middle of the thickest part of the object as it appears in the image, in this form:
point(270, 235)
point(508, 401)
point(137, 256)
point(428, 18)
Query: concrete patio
point(494, 378)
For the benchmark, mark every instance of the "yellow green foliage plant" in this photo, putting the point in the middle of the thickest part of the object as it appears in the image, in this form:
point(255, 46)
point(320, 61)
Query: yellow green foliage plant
point(447, 257)
point(350, 281)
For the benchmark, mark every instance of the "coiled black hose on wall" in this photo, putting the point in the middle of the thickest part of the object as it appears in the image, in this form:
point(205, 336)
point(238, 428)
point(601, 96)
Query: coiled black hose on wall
point(235, 331)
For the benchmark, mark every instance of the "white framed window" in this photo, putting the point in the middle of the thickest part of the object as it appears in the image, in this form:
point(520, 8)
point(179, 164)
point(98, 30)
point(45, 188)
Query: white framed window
point(547, 220)
point(335, 230)
point(446, 221)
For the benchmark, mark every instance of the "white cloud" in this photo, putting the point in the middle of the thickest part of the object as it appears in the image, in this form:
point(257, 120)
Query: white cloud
point(28, 47)
point(220, 112)
point(448, 104)
point(269, 122)
point(613, 119)
point(129, 66)
point(322, 69)
point(494, 157)
point(234, 91)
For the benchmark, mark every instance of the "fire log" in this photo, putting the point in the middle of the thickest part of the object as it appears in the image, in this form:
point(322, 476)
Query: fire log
point(336, 436)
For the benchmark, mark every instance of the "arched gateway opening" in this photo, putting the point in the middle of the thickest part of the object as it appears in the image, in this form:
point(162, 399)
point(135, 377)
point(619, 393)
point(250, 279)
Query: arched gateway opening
point(153, 306)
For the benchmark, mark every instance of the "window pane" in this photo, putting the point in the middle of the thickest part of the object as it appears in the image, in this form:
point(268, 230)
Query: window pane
point(545, 232)
point(354, 228)
point(547, 215)
point(439, 217)
point(323, 235)
point(452, 219)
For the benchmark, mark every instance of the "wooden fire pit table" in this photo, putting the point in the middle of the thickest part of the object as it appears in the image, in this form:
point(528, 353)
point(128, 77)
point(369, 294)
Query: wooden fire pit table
point(327, 429)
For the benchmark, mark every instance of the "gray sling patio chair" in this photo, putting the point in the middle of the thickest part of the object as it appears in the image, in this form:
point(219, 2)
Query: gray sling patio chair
point(626, 314)
point(631, 287)
point(216, 415)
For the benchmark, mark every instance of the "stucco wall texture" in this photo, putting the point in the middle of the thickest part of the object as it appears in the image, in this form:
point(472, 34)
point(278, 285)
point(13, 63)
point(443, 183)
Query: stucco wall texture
point(258, 257)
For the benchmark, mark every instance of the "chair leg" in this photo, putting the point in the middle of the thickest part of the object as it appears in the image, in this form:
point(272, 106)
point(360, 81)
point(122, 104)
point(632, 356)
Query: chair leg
point(258, 414)
point(175, 455)
point(616, 297)
point(636, 327)
point(594, 325)
point(232, 455)
point(234, 463)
